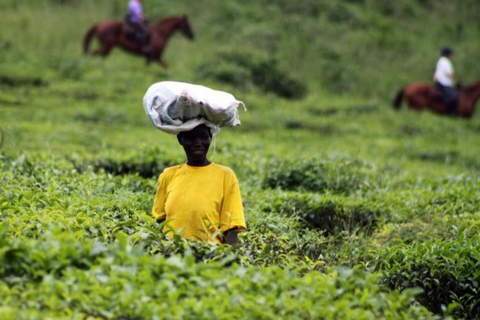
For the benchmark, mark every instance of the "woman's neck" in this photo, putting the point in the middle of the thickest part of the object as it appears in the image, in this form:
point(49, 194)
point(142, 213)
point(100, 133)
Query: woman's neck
point(198, 163)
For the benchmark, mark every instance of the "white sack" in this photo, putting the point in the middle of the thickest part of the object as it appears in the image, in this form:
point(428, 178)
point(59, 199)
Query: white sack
point(174, 107)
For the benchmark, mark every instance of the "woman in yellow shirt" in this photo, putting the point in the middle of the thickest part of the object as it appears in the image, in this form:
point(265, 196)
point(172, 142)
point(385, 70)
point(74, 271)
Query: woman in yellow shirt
point(200, 199)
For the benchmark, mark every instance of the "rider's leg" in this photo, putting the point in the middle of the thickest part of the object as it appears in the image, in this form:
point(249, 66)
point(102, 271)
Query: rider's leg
point(145, 42)
point(451, 100)
point(142, 37)
point(448, 97)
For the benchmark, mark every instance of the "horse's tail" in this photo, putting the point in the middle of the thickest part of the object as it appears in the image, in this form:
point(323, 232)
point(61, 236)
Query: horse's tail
point(397, 102)
point(88, 37)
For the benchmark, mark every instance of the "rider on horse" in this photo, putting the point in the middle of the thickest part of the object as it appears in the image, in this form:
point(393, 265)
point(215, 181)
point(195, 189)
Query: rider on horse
point(444, 79)
point(136, 21)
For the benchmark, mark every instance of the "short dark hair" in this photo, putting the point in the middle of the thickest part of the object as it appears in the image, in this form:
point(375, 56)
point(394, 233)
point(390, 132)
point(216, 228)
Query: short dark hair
point(446, 51)
point(200, 125)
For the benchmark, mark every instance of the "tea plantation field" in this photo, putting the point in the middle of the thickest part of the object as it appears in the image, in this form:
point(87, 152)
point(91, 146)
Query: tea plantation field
point(354, 210)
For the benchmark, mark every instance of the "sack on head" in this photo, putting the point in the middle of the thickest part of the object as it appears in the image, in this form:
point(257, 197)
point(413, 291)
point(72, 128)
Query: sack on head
point(174, 107)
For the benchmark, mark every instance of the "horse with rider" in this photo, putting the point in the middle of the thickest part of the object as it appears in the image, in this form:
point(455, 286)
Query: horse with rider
point(135, 35)
point(445, 96)
point(136, 27)
point(445, 80)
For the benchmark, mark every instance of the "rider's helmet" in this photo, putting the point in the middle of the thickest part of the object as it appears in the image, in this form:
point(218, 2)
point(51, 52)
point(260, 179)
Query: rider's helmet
point(446, 51)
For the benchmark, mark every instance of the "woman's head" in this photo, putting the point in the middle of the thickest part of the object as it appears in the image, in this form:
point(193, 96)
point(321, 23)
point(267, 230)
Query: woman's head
point(446, 51)
point(196, 143)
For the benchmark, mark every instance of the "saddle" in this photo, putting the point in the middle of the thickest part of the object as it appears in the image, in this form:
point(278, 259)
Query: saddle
point(447, 96)
point(136, 32)
point(436, 94)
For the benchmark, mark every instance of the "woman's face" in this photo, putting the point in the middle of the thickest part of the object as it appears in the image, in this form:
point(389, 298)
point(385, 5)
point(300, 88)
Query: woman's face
point(196, 144)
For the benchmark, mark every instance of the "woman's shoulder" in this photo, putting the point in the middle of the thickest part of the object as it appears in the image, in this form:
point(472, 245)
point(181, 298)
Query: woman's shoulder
point(227, 172)
point(221, 167)
point(169, 171)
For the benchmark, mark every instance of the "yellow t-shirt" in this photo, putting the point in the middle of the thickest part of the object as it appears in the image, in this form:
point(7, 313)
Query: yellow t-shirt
point(198, 201)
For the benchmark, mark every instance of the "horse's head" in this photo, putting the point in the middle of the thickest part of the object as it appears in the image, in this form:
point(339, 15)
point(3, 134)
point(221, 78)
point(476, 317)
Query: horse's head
point(184, 26)
point(170, 25)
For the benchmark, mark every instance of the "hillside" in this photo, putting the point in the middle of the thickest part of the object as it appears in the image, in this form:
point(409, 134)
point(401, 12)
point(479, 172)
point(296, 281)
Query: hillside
point(354, 210)
point(364, 47)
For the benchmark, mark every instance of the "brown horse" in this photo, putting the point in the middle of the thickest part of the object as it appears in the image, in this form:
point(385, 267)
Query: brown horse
point(423, 95)
point(112, 33)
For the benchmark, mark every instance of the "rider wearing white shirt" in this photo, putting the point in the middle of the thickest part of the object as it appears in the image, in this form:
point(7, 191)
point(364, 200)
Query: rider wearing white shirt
point(445, 80)
point(444, 72)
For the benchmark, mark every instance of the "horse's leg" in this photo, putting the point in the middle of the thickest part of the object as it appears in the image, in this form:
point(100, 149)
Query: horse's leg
point(415, 103)
point(160, 60)
point(156, 55)
point(104, 50)
point(107, 42)
point(163, 63)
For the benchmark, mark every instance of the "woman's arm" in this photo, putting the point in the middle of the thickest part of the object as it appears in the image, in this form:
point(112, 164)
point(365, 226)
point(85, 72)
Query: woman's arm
point(231, 236)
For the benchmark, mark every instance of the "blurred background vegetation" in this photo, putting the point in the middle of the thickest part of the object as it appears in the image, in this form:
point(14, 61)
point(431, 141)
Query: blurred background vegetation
point(303, 61)
point(361, 47)
point(331, 175)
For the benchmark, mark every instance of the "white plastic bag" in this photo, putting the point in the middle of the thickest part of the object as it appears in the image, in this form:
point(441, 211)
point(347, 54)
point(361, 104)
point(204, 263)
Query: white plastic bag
point(174, 107)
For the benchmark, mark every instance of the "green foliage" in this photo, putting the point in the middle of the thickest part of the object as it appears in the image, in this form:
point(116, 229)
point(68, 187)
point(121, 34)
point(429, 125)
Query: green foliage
point(267, 76)
point(331, 176)
point(16, 81)
point(115, 281)
point(336, 175)
point(447, 271)
point(242, 68)
point(329, 214)
point(68, 69)
point(337, 76)
point(146, 163)
point(304, 8)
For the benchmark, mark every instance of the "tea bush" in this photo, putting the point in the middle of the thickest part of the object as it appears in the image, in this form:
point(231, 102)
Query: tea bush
point(120, 281)
point(329, 214)
point(341, 176)
point(79, 163)
point(39, 197)
point(147, 163)
point(19, 81)
point(276, 240)
point(436, 209)
point(447, 271)
point(245, 69)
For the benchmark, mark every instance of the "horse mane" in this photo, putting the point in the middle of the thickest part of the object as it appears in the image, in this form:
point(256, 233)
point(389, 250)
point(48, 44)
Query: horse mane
point(472, 87)
point(170, 20)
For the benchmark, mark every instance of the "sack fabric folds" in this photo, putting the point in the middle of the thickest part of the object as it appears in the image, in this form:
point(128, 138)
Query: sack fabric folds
point(174, 107)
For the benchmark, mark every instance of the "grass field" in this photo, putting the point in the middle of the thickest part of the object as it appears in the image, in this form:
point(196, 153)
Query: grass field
point(354, 210)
